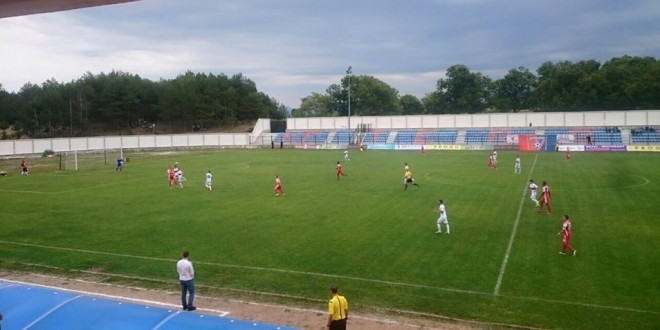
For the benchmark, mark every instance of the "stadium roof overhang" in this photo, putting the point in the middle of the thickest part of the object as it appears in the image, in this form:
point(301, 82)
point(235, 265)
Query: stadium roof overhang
point(10, 8)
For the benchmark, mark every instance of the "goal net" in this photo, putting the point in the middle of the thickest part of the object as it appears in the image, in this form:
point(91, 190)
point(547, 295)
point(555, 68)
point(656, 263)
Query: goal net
point(77, 160)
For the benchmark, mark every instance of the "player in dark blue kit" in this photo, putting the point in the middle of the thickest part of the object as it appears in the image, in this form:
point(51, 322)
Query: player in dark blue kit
point(120, 165)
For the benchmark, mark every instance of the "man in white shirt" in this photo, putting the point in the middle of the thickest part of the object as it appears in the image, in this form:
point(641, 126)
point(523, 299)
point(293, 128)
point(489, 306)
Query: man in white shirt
point(187, 281)
point(443, 217)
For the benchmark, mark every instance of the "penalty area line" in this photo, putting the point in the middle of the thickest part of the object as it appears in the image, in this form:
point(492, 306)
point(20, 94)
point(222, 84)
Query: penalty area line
point(498, 284)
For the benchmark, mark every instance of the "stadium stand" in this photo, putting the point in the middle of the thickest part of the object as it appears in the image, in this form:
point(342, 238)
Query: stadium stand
point(499, 136)
point(645, 135)
point(316, 137)
point(557, 131)
point(583, 135)
point(376, 136)
point(342, 137)
point(302, 137)
point(606, 136)
point(476, 136)
point(435, 136)
point(405, 136)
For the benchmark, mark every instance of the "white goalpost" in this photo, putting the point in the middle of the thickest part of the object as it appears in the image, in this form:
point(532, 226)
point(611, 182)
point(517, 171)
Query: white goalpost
point(76, 160)
point(69, 161)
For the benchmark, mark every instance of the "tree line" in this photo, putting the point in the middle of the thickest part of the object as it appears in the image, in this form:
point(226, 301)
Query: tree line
point(195, 101)
point(622, 83)
point(120, 100)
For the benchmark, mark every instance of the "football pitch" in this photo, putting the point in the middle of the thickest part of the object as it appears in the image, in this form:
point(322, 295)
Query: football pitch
point(364, 233)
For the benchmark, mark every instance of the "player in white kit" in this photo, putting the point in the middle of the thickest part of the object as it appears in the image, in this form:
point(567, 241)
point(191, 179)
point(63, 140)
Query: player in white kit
point(209, 181)
point(532, 192)
point(516, 166)
point(443, 217)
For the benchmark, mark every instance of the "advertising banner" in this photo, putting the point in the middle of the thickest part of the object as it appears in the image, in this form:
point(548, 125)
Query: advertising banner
point(604, 148)
point(571, 147)
point(380, 147)
point(531, 142)
point(565, 138)
point(444, 147)
point(644, 148)
point(330, 146)
point(512, 139)
point(479, 147)
point(408, 147)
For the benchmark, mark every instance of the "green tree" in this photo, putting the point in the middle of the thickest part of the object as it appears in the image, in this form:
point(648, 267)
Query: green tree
point(433, 103)
point(630, 82)
point(411, 105)
point(369, 97)
point(315, 105)
point(514, 91)
point(464, 91)
point(567, 86)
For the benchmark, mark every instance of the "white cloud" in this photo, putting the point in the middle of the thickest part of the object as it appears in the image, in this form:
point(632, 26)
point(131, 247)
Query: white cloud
point(293, 48)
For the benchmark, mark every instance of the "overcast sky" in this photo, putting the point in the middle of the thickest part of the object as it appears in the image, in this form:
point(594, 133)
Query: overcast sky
point(291, 48)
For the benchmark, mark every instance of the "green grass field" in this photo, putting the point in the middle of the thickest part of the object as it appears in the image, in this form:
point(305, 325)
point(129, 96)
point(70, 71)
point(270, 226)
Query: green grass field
point(363, 232)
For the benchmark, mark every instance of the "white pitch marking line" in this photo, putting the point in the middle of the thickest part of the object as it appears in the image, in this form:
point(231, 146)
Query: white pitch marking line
point(334, 276)
point(626, 309)
point(25, 192)
point(496, 291)
point(286, 271)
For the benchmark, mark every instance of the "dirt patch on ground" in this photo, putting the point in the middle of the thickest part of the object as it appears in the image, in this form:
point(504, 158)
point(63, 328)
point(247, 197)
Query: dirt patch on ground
point(237, 309)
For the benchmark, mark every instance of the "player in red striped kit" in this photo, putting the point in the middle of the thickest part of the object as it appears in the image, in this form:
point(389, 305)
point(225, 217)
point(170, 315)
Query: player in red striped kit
point(170, 176)
point(545, 198)
point(492, 163)
point(278, 187)
point(340, 171)
point(566, 236)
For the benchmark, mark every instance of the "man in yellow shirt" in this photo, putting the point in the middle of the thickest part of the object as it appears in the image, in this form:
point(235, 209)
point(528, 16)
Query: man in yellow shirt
point(408, 179)
point(337, 311)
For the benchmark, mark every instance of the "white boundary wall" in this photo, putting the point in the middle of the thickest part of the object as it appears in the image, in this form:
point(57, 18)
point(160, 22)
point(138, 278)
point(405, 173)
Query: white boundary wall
point(22, 147)
point(261, 133)
point(636, 118)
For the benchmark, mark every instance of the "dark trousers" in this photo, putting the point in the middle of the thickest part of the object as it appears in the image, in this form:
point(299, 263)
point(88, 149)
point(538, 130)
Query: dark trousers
point(338, 324)
point(187, 287)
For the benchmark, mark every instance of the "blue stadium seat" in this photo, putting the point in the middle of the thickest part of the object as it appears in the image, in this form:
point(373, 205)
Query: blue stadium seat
point(476, 136)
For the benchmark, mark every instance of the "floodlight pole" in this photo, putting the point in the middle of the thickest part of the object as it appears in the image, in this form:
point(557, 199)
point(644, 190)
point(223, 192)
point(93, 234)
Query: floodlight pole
point(349, 72)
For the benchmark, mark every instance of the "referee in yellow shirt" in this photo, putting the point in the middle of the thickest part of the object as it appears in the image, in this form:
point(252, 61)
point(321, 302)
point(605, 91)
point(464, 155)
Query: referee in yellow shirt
point(337, 311)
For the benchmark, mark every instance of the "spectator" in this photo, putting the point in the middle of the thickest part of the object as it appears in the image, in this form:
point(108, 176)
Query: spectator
point(187, 281)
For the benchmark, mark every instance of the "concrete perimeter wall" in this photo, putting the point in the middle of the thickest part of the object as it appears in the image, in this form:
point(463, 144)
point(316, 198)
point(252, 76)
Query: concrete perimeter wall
point(37, 146)
point(493, 120)
point(261, 134)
